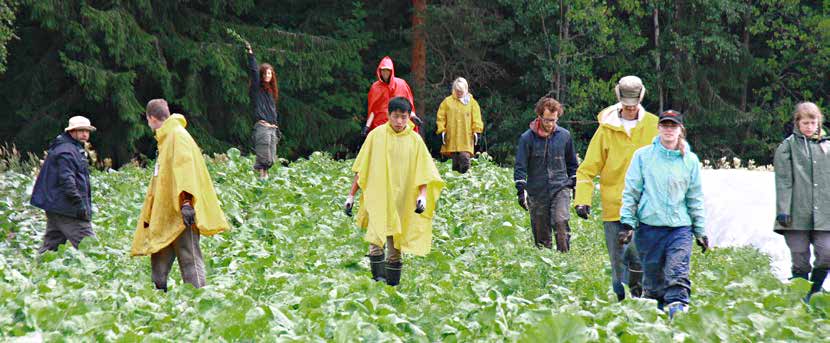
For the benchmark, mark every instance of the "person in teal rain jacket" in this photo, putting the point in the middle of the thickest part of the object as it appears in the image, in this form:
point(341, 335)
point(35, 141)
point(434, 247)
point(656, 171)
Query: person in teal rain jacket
point(663, 202)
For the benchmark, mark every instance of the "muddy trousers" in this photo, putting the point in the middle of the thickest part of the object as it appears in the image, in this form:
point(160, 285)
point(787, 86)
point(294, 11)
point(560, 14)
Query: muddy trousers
point(186, 249)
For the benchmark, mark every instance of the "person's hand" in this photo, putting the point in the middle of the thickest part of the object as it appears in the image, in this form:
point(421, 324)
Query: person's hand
point(420, 204)
point(188, 215)
point(248, 47)
point(583, 211)
point(571, 182)
point(84, 214)
point(703, 242)
point(347, 207)
point(624, 236)
point(475, 139)
point(365, 131)
point(784, 220)
point(522, 195)
point(444, 138)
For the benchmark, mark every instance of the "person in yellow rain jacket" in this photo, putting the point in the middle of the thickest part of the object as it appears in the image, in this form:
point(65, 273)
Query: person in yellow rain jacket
point(623, 128)
point(181, 204)
point(459, 124)
point(401, 186)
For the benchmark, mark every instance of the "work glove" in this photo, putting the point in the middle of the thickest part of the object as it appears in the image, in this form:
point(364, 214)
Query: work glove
point(521, 194)
point(703, 242)
point(475, 139)
point(420, 204)
point(443, 138)
point(417, 120)
point(188, 215)
point(784, 220)
point(624, 236)
point(365, 131)
point(583, 211)
point(347, 207)
point(84, 214)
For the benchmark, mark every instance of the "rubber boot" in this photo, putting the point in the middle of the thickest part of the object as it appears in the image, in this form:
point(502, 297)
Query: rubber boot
point(378, 266)
point(619, 290)
point(805, 276)
point(635, 283)
point(818, 280)
point(563, 237)
point(393, 273)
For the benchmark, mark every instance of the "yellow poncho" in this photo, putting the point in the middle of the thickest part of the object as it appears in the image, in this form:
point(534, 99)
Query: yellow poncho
point(390, 167)
point(180, 168)
point(460, 122)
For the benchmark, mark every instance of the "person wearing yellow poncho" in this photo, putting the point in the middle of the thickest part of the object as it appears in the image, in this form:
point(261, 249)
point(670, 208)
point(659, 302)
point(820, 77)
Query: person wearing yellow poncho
point(459, 123)
point(401, 186)
point(181, 203)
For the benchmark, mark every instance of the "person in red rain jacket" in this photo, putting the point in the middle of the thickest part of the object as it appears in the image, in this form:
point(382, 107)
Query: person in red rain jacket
point(387, 87)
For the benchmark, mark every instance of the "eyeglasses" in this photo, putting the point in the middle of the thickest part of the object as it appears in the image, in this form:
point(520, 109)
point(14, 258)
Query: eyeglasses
point(549, 121)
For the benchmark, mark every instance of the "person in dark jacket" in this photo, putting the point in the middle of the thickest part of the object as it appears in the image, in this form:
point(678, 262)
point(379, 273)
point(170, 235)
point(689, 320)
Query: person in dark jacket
point(62, 187)
point(545, 174)
point(264, 94)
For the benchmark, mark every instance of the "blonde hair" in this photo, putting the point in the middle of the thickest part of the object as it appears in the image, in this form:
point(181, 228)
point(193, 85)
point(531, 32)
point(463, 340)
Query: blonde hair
point(461, 85)
point(807, 110)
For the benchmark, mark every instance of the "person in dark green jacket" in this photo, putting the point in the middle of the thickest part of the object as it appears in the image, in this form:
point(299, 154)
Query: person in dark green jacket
point(802, 191)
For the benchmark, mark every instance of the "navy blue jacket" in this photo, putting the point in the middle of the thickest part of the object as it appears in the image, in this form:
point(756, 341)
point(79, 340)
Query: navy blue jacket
point(545, 165)
point(63, 183)
point(264, 106)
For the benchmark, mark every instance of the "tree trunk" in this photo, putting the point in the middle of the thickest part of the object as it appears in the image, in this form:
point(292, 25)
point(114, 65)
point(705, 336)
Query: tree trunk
point(658, 53)
point(419, 53)
point(745, 88)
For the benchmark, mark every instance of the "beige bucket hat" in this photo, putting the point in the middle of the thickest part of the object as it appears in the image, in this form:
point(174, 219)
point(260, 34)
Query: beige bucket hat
point(79, 123)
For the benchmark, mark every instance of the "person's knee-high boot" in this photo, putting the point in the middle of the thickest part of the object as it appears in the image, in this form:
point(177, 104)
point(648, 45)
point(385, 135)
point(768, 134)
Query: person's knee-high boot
point(635, 283)
point(817, 278)
point(378, 266)
point(563, 237)
point(393, 273)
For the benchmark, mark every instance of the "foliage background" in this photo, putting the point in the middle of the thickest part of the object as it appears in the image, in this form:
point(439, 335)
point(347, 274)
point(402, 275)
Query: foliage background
point(735, 67)
point(293, 268)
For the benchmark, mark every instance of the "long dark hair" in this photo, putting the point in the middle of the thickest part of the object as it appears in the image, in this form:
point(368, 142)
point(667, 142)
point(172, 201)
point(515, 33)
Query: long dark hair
point(270, 87)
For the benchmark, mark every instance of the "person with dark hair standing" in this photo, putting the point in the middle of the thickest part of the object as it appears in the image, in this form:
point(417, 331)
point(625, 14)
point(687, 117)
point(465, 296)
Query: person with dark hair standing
point(401, 186)
point(62, 188)
point(663, 203)
point(181, 204)
point(264, 94)
point(545, 174)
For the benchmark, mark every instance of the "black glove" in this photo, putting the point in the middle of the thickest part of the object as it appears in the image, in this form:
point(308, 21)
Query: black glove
point(365, 131)
point(522, 195)
point(583, 211)
point(347, 209)
point(188, 215)
point(703, 242)
point(571, 182)
point(420, 205)
point(624, 236)
point(417, 121)
point(84, 214)
point(784, 220)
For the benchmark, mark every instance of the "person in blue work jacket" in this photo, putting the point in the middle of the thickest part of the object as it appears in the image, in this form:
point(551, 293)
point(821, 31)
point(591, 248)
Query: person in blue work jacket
point(663, 202)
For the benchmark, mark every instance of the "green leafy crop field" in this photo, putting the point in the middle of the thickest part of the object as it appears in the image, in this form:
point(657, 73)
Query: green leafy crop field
point(293, 268)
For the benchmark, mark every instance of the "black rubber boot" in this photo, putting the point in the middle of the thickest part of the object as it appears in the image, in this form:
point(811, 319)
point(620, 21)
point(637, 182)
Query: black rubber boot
point(393, 273)
point(805, 276)
point(818, 280)
point(635, 283)
point(563, 237)
point(378, 266)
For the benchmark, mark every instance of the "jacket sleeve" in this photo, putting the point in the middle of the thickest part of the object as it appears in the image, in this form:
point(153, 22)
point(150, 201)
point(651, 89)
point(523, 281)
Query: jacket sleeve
point(253, 70)
point(66, 179)
point(441, 118)
point(570, 158)
point(632, 193)
point(589, 169)
point(694, 201)
point(478, 124)
point(522, 155)
point(783, 178)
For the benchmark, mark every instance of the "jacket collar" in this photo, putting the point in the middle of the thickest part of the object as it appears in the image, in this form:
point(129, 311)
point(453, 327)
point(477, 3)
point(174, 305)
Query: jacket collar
point(610, 117)
point(171, 124)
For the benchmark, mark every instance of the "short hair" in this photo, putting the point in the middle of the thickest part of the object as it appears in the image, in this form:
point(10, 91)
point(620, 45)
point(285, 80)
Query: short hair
point(400, 104)
point(807, 110)
point(157, 108)
point(550, 104)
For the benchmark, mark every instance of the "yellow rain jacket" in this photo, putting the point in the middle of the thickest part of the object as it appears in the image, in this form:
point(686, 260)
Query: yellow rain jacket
point(390, 167)
point(460, 122)
point(180, 168)
point(609, 155)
